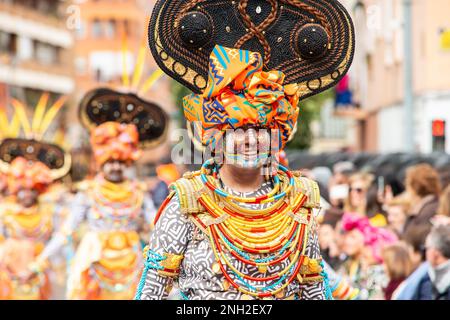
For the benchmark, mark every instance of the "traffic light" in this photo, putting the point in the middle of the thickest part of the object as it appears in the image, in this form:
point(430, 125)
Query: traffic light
point(438, 128)
point(439, 135)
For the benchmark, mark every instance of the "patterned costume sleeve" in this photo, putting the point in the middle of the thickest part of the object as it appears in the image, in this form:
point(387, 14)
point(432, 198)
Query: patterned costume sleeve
point(312, 288)
point(165, 252)
point(76, 215)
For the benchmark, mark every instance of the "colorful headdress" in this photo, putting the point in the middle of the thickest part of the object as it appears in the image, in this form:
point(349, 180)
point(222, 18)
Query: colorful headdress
point(31, 147)
point(115, 141)
point(103, 105)
point(239, 92)
point(220, 49)
point(375, 238)
point(28, 175)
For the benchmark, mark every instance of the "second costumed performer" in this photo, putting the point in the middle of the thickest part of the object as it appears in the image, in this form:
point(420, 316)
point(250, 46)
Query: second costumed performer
point(229, 232)
point(114, 204)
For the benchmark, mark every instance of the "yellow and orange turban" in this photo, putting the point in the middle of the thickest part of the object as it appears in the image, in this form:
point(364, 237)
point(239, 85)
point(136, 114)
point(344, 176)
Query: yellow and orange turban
point(240, 93)
point(115, 141)
point(24, 174)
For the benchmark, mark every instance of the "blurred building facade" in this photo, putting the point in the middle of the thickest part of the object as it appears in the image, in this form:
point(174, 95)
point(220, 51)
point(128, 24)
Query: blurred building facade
point(36, 50)
point(108, 31)
point(377, 76)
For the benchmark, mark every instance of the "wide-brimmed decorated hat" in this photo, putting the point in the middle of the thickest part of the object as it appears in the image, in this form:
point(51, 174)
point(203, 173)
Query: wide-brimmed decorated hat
point(125, 103)
point(105, 105)
point(26, 139)
point(311, 41)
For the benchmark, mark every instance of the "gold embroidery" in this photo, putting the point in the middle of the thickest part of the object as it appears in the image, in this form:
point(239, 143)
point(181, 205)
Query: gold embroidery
point(172, 261)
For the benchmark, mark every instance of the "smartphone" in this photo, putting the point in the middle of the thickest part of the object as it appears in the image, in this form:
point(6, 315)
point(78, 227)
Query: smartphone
point(339, 192)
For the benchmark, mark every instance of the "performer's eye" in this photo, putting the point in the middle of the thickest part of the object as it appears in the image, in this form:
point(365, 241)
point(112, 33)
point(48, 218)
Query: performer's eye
point(312, 41)
point(195, 29)
point(15, 152)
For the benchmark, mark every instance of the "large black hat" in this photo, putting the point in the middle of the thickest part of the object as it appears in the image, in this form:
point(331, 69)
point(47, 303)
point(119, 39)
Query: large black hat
point(105, 105)
point(311, 41)
point(24, 137)
point(53, 156)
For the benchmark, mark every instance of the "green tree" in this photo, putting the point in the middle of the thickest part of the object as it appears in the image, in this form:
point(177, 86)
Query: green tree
point(179, 92)
point(309, 111)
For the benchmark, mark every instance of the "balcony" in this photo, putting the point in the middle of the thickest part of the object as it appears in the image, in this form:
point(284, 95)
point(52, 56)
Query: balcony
point(27, 13)
point(35, 75)
point(351, 112)
point(25, 22)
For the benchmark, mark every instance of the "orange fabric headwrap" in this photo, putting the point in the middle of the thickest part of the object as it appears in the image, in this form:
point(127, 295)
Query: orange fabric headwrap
point(115, 141)
point(24, 174)
point(239, 92)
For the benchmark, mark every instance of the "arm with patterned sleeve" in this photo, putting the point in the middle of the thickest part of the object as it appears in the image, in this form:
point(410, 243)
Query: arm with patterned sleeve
point(164, 254)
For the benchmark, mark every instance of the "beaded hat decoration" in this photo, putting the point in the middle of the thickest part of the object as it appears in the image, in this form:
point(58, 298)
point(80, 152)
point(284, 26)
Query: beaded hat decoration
point(125, 104)
point(311, 41)
point(25, 139)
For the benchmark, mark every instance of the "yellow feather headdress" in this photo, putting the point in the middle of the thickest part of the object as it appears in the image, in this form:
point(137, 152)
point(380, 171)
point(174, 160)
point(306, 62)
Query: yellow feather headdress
point(23, 137)
point(125, 104)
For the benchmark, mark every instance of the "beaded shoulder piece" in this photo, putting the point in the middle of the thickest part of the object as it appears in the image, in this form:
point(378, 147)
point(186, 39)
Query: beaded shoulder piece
point(189, 187)
point(186, 189)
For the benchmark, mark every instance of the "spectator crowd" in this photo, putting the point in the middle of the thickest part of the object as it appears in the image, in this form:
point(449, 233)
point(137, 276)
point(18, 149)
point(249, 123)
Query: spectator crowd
point(388, 235)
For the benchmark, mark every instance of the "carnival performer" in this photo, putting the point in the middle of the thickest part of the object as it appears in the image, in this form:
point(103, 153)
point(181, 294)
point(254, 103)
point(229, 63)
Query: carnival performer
point(241, 227)
point(115, 204)
point(31, 210)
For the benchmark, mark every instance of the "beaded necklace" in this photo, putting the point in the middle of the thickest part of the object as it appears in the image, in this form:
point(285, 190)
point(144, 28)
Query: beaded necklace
point(270, 197)
point(17, 226)
point(279, 232)
point(116, 202)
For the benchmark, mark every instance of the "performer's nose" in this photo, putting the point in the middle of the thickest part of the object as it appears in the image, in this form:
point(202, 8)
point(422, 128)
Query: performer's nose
point(251, 139)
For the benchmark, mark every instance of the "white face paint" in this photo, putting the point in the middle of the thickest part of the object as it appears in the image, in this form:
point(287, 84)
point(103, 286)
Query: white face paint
point(247, 148)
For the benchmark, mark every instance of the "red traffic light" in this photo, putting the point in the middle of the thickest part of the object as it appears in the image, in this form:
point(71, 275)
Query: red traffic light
point(438, 128)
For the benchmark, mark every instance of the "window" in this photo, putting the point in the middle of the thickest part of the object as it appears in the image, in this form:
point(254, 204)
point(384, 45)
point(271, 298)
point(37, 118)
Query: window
point(46, 54)
point(5, 40)
point(126, 27)
point(110, 31)
point(8, 43)
point(25, 48)
point(80, 32)
point(81, 65)
point(97, 30)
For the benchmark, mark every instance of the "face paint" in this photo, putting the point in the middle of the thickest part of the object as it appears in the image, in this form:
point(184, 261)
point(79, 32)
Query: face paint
point(247, 148)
